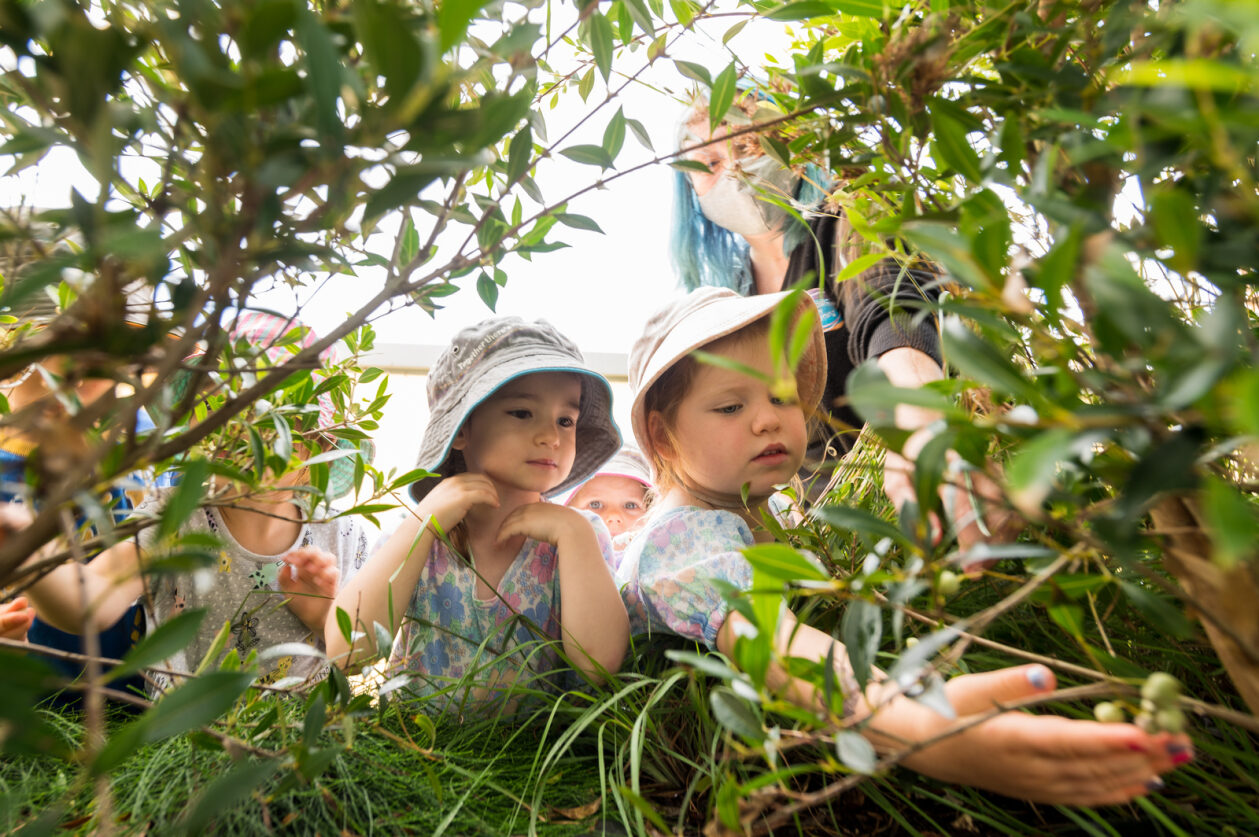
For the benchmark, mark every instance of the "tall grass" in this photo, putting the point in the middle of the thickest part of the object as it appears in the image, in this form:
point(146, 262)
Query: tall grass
point(644, 754)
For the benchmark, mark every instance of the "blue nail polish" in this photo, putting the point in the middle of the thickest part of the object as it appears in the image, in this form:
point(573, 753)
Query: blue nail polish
point(1038, 676)
point(1175, 749)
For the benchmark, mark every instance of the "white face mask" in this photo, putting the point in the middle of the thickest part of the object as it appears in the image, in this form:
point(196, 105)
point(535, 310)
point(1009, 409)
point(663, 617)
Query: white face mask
point(735, 201)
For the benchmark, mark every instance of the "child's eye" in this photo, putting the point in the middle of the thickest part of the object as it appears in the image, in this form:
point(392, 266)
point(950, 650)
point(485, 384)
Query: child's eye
point(566, 421)
point(631, 506)
point(776, 401)
point(728, 410)
point(594, 505)
point(520, 414)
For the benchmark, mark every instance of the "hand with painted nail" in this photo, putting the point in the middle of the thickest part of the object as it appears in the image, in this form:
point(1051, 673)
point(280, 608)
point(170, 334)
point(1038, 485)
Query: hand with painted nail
point(1040, 758)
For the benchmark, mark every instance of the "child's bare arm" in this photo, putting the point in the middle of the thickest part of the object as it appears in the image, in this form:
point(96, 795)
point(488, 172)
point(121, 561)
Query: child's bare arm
point(393, 571)
point(310, 579)
point(1040, 758)
point(595, 625)
point(111, 582)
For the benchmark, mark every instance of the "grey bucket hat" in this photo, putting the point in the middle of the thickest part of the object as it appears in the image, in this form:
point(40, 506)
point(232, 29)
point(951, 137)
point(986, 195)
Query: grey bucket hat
point(484, 357)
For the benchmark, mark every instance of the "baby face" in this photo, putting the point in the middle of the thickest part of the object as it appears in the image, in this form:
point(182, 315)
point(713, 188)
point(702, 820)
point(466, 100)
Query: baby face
point(617, 500)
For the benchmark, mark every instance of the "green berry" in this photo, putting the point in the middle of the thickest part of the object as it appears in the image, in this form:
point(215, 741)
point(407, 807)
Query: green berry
point(1170, 719)
point(1108, 713)
point(1161, 688)
point(910, 642)
point(948, 583)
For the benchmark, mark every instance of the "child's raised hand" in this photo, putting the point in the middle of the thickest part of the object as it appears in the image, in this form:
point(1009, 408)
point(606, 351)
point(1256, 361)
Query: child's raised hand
point(546, 522)
point(1042, 758)
point(15, 618)
point(452, 498)
point(310, 578)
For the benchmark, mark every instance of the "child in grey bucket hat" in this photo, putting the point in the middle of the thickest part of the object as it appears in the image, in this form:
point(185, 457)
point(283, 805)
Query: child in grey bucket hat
point(483, 569)
point(482, 358)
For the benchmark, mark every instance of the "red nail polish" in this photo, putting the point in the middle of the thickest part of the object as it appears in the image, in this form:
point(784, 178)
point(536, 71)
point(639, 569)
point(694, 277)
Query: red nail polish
point(1181, 758)
point(1135, 747)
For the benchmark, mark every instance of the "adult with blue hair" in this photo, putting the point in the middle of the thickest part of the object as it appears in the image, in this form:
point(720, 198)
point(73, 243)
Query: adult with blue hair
point(755, 226)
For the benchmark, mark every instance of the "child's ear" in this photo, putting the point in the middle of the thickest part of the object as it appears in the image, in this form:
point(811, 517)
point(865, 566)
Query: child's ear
point(659, 435)
point(460, 441)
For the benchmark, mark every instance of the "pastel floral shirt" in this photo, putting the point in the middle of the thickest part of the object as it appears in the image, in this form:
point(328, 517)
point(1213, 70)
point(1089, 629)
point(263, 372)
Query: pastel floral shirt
point(667, 573)
point(472, 649)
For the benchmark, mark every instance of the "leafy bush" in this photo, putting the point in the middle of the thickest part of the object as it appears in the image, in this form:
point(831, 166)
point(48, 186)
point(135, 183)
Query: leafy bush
point(1085, 172)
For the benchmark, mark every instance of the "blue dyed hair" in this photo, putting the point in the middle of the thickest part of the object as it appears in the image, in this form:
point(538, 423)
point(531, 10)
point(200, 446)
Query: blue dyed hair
point(706, 255)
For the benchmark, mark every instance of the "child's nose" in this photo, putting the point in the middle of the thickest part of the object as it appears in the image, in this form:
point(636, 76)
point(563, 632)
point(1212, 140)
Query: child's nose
point(766, 418)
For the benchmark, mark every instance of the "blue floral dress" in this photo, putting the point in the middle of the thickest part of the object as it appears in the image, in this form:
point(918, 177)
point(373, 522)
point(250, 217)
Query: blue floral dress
point(475, 649)
point(667, 573)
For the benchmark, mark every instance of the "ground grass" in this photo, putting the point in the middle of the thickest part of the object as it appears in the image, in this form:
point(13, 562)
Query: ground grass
point(643, 755)
point(560, 769)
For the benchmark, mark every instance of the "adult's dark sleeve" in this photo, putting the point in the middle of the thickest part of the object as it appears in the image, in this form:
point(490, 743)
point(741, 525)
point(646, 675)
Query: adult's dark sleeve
point(887, 306)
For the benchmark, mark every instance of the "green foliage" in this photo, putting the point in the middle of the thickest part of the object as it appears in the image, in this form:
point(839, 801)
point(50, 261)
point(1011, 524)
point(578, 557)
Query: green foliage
point(1088, 190)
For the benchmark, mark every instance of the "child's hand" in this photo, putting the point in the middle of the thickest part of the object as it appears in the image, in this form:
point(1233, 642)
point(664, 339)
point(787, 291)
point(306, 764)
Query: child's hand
point(310, 579)
point(450, 501)
point(1043, 758)
point(546, 522)
point(15, 619)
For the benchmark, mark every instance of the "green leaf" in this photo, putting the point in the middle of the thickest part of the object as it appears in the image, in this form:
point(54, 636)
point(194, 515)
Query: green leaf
point(800, 10)
point(856, 753)
point(784, 562)
point(861, 631)
point(943, 243)
point(614, 134)
point(323, 76)
point(690, 165)
point(737, 714)
point(641, 16)
point(952, 148)
point(185, 498)
point(1069, 617)
point(519, 153)
point(733, 31)
point(226, 791)
point(854, 519)
point(390, 44)
point(1160, 612)
point(1233, 523)
point(722, 96)
point(640, 133)
point(590, 155)
point(487, 290)
point(862, 8)
point(1178, 227)
point(710, 664)
point(157, 645)
point(343, 624)
point(196, 703)
point(453, 17)
point(601, 43)
point(976, 358)
point(578, 222)
point(691, 70)
point(410, 247)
